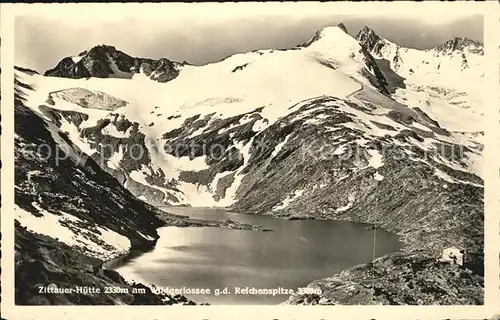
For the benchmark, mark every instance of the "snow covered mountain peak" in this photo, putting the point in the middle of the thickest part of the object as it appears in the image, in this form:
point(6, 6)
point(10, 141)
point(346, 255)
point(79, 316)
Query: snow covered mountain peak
point(336, 33)
point(333, 47)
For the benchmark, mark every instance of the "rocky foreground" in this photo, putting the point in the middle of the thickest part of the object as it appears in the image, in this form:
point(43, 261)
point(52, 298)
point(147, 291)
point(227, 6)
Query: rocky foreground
point(398, 279)
point(42, 262)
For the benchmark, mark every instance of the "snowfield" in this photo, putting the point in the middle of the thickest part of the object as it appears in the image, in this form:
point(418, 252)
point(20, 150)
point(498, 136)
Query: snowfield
point(466, 116)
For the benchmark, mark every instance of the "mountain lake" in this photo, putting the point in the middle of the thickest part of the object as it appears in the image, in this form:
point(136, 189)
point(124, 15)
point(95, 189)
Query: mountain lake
point(293, 254)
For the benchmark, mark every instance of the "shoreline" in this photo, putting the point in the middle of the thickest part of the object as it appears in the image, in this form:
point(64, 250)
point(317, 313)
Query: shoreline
point(186, 222)
point(467, 280)
point(171, 220)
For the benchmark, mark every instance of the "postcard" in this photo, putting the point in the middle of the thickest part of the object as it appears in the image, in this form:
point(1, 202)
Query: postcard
point(259, 160)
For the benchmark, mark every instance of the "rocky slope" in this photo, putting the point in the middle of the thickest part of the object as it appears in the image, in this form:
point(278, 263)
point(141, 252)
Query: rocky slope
point(337, 128)
point(70, 217)
point(399, 279)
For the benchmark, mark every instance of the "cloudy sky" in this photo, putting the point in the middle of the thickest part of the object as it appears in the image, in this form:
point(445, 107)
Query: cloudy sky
point(206, 33)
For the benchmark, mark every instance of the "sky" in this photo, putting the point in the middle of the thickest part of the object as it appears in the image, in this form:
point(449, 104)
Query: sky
point(202, 33)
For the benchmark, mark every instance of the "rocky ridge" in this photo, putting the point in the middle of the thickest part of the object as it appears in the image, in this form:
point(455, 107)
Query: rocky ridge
point(455, 54)
point(105, 61)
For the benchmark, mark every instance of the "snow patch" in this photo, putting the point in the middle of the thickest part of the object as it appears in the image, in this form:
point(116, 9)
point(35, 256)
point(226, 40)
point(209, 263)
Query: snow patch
point(426, 145)
point(74, 135)
point(377, 176)
point(340, 150)
point(230, 197)
point(64, 150)
point(260, 125)
point(376, 160)
point(50, 225)
point(76, 59)
point(421, 127)
point(149, 238)
point(289, 199)
point(111, 130)
point(114, 161)
point(117, 72)
point(279, 147)
point(443, 175)
point(351, 198)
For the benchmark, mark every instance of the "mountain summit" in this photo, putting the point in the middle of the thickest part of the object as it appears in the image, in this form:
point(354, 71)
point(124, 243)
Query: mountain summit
point(104, 61)
point(369, 39)
point(343, 27)
point(336, 46)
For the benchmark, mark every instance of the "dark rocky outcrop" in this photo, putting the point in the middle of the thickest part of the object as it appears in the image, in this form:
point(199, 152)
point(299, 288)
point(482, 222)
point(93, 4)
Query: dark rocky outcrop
point(370, 40)
point(459, 44)
point(25, 70)
point(373, 44)
point(83, 186)
point(162, 70)
point(83, 190)
point(55, 116)
point(217, 142)
point(238, 68)
point(392, 56)
point(105, 61)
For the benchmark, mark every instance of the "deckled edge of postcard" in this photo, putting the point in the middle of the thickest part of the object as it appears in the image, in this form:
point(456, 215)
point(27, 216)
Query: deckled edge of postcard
point(491, 309)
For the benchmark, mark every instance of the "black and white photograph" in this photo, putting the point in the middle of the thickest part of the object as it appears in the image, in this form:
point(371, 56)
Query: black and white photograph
point(273, 154)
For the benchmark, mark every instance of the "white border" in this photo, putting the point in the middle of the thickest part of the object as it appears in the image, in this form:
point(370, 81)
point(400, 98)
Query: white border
point(492, 54)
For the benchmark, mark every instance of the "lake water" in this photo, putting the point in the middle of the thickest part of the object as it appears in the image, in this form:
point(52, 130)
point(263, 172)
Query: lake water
point(294, 254)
